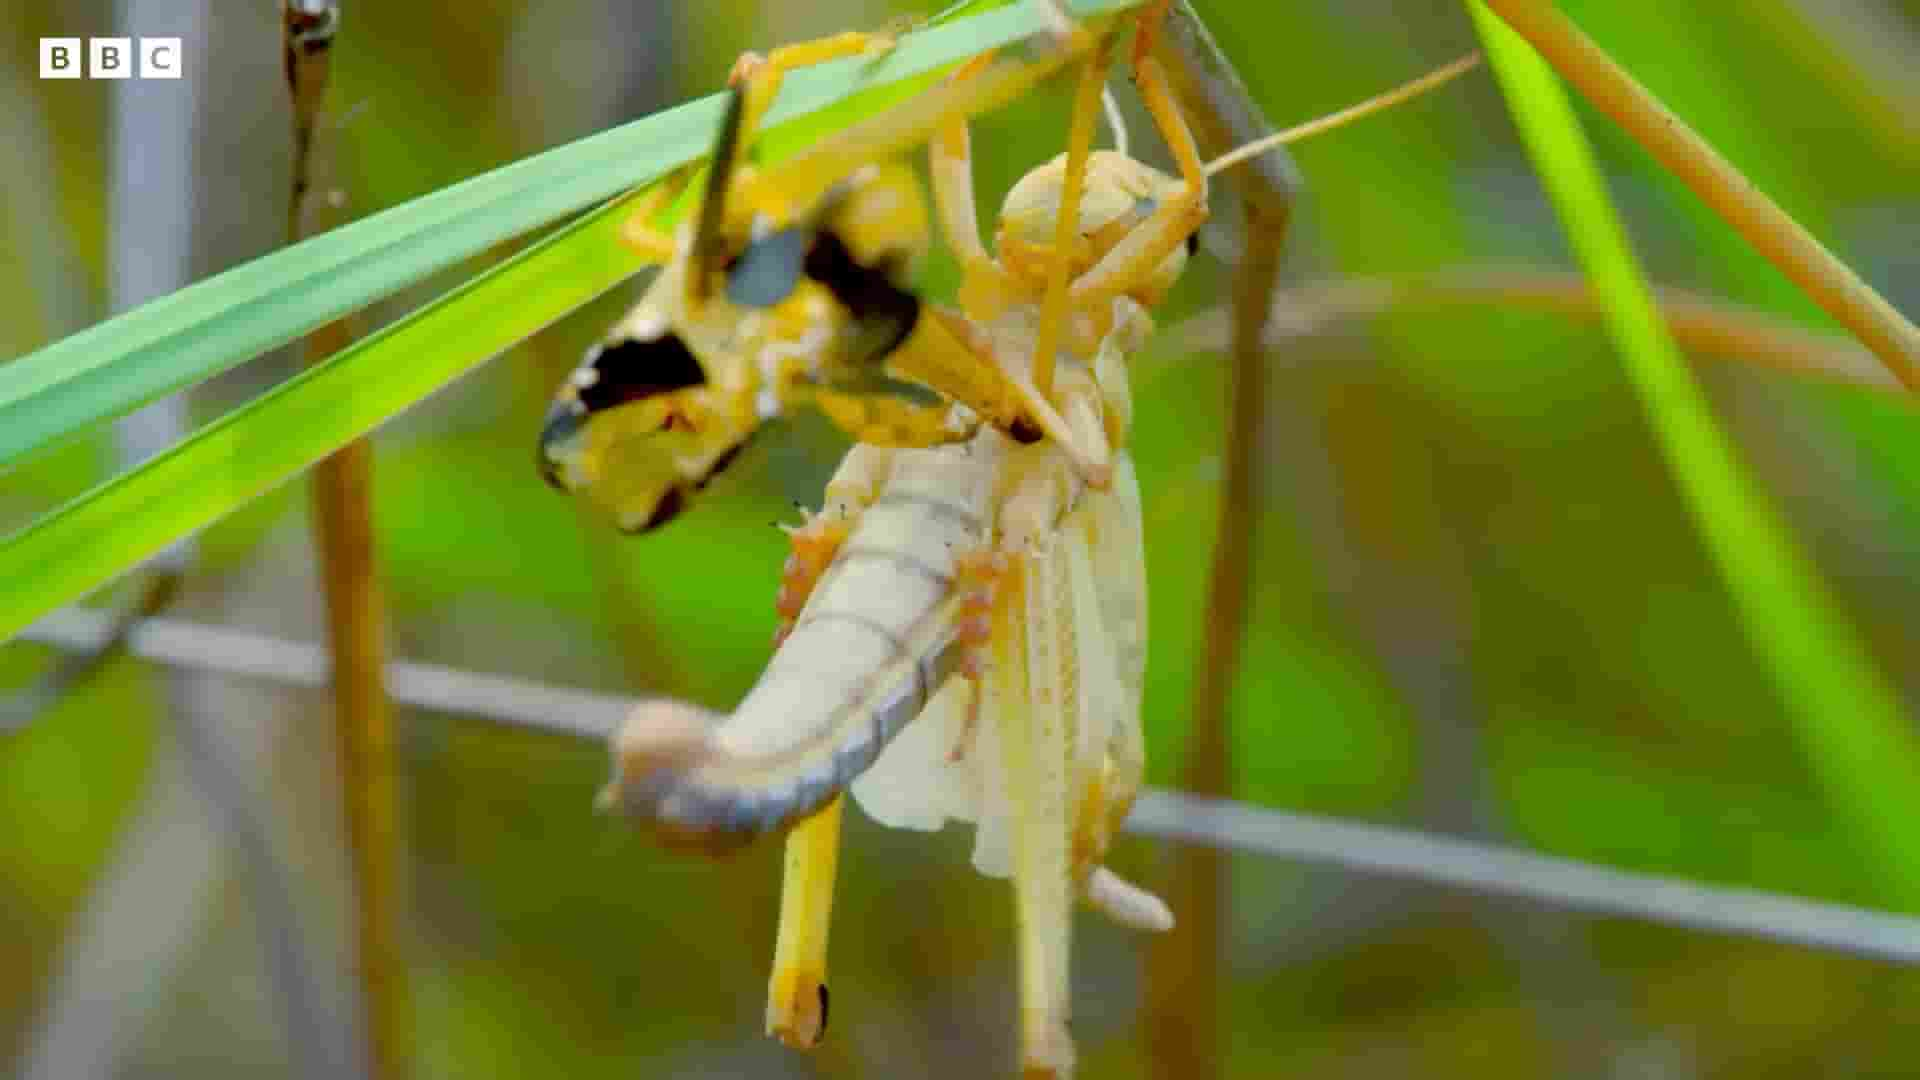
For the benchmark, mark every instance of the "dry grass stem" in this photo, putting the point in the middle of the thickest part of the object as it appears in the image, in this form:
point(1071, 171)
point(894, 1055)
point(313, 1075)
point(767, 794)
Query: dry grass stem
point(1701, 324)
point(1684, 153)
point(342, 500)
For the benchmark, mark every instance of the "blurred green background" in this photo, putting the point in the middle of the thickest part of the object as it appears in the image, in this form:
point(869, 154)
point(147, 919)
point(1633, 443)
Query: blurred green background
point(1480, 608)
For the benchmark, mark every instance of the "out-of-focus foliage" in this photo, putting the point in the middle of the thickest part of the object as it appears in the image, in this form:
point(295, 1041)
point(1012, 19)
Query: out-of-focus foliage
point(1480, 606)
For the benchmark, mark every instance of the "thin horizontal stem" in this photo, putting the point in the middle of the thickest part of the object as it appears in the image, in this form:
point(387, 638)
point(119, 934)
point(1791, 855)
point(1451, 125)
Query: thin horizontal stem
point(1233, 826)
point(1698, 322)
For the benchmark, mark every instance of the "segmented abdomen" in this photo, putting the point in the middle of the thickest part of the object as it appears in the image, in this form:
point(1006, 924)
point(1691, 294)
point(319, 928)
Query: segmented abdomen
point(867, 652)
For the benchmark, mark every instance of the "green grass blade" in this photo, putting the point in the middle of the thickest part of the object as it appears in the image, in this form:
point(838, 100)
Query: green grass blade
point(112, 528)
point(1850, 723)
point(85, 543)
point(114, 367)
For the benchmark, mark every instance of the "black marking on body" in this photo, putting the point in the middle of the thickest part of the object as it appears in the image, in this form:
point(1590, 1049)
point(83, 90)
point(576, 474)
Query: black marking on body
point(673, 502)
point(633, 369)
point(867, 292)
point(670, 506)
point(770, 269)
point(720, 463)
point(612, 374)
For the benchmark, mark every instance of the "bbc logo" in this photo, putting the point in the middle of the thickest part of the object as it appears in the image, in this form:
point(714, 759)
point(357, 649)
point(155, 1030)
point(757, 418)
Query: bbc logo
point(110, 58)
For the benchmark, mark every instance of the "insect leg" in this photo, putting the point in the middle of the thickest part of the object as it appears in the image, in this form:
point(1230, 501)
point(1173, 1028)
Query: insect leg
point(1053, 307)
point(1133, 260)
point(639, 231)
point(807, 175)
point(761, 75)
point(1108, 578)
point(885, 411)
point(1034, 749)
point(1034, 680)
point(855, 484)
point(797, 989)
point(985, 289)
point(755, 83)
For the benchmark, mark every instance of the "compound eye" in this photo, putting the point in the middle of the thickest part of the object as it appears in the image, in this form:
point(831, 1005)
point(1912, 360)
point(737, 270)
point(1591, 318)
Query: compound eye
point(770, 269)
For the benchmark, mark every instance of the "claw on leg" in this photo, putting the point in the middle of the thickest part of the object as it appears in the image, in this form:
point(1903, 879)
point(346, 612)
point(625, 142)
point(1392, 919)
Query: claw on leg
point(797, 989)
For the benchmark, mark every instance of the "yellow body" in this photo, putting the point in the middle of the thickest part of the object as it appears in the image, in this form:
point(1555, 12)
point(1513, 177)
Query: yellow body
point(1013, 546)
point(788, 286)
point(964, 624)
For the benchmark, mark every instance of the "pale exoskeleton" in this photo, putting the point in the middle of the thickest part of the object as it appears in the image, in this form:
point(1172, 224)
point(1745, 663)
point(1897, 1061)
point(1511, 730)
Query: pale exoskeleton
point(1018, 565)
point(964, 624)
point(985, 593)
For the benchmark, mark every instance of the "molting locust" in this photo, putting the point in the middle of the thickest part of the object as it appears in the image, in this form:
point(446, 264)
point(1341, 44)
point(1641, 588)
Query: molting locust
point(964, 623)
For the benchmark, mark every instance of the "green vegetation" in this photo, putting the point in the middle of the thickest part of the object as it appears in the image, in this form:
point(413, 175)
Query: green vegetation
point(1505, 584)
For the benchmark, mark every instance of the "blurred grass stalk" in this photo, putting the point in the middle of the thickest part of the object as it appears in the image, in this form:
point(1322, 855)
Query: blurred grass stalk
point(1776, 236)
point(342, 500)
point(1184, 985)
point(1850, 722)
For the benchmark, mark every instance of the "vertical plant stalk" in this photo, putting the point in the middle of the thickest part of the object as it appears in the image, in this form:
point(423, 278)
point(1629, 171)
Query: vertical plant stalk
point(342, 500)
point(1184, 981)
point(1860, 744)
point(1775, 235)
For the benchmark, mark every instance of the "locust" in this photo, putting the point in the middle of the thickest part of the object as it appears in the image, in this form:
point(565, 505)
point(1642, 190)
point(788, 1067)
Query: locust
point(963, 624)
point(789, 287)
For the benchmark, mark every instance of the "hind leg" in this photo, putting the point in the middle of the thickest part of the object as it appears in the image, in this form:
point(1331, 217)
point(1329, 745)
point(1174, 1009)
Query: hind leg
point(797, 987)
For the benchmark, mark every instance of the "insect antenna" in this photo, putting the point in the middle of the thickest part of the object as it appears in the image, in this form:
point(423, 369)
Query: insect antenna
point(1432, 80)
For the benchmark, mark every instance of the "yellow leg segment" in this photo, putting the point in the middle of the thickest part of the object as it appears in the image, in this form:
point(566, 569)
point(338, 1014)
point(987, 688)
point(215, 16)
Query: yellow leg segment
point(808, 174)
point(1033, 746)
point(1066, 230)
point(1133, 260)
point(985, 289)
point(797, 990)
point(639, 230)
point(945, 353)
point(763, 75)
